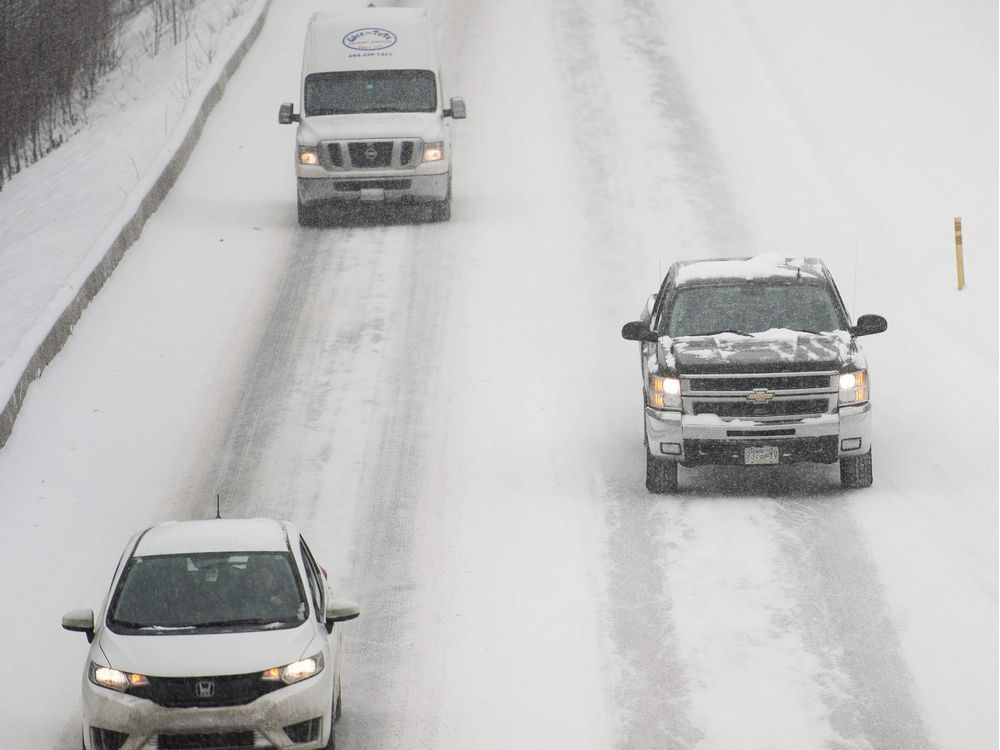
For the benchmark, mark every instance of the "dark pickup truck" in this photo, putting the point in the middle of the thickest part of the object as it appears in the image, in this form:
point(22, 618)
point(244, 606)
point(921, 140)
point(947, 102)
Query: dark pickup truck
point(753, 361)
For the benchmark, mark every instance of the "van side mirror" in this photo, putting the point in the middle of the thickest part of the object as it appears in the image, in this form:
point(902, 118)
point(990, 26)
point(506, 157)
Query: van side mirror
point(869, 324)
point(286, 114)
point(340, 610)
point(457, 109)
point(639, 330)
point(80, 621)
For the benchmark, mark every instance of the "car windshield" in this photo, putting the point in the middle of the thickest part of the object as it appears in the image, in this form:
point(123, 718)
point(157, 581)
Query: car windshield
point(220, 591)
point(357, 91)
point(749, 308)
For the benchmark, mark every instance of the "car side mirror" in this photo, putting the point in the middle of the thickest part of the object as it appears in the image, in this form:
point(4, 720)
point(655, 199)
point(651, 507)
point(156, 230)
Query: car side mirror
point(80, 621)
point(869, 324)
point(457, 109)
point(639, 330)
point(286, 114)
point(340, 610)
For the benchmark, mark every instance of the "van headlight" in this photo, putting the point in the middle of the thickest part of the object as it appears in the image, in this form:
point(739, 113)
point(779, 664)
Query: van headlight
point(664, 392)
point(296, 671)
point(434, 151)
point(853, 387)
point(308, 156)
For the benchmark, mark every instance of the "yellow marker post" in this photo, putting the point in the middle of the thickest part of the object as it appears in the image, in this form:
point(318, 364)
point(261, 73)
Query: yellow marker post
point(959, 261)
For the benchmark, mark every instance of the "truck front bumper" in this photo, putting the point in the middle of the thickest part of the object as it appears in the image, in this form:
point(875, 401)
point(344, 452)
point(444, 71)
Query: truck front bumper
point(694, 441)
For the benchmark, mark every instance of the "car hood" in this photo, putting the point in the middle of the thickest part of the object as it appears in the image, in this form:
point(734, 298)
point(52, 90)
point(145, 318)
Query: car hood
point(730, 352)
point(427, 126)
point(178, 655)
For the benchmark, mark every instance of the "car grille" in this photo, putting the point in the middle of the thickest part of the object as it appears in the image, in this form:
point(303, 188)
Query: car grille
point(384, 154)
point(208, 741)
point(188, 692)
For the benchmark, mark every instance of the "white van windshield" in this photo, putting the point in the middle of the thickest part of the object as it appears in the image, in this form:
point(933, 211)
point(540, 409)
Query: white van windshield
point(360, 91)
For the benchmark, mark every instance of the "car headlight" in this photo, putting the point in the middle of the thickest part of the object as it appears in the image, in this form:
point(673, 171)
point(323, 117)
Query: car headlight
point(434, 151)
point(853, 387)
point(115, 679)
point(664, 392)
point(308, 156)
point(296, 671)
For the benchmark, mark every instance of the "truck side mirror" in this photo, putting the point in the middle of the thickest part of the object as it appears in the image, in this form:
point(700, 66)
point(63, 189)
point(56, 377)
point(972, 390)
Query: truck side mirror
point(869, 324)
point(639, 330)
point(286, 114)
point(457, 109)
point(80, 621)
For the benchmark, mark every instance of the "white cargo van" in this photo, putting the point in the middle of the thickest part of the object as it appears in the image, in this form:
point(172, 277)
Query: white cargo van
point(372, 125)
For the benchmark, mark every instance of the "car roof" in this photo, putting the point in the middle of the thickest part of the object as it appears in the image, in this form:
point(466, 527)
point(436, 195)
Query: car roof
point(764, 267)
point(216, 535)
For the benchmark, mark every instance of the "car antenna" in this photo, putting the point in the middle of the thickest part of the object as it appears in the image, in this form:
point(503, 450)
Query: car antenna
point(218, 506)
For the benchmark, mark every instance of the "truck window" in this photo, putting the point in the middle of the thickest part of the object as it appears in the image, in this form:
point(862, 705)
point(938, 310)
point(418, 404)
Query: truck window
point(751, 308)
point(359, 91)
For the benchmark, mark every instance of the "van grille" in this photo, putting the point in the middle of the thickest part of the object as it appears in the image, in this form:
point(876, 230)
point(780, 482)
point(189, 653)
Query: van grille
point(379, 154)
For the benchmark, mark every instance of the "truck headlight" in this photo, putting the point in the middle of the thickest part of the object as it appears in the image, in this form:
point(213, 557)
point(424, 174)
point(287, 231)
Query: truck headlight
point(853, 387)
point(308, 156)
point(434, 151)
point(664, 392)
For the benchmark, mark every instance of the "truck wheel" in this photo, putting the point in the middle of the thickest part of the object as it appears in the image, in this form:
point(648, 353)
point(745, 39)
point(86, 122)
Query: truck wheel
point(856, 471)
point(441, 211)
point(661, 475)
point(308, 215)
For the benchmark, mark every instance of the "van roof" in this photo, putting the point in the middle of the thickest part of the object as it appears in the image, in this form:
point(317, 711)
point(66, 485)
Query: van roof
point(369, 39)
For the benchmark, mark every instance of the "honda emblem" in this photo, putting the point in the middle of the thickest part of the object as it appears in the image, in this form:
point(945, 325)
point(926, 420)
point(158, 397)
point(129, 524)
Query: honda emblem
point(204, 689)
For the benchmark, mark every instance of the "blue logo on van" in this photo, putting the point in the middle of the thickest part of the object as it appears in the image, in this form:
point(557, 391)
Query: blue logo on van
point(370, 39)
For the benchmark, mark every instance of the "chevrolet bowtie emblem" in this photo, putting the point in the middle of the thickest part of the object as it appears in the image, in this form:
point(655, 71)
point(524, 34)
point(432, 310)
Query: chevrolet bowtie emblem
point(760, 395)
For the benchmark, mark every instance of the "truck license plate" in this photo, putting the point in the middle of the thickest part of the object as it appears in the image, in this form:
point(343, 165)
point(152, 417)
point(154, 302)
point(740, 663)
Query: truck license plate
point(762, 454)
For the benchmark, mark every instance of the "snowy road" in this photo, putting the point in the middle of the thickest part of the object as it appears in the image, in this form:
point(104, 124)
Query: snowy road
point(450, 415)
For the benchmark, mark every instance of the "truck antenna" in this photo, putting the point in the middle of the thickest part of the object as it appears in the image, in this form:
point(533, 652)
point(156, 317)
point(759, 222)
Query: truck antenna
point(218, 506)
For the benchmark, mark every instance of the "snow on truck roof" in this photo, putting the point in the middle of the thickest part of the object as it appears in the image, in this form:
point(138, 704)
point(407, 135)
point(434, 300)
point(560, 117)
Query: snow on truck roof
point(758, 267)
point(370, 39)
point(216, 535)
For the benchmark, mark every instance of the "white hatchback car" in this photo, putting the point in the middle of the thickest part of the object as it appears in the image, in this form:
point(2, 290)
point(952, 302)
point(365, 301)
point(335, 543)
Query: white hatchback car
point(214, 634)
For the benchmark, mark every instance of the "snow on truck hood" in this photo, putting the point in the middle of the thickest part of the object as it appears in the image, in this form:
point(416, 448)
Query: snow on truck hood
point(184, 655)
point(779, 345)
point(424, 125)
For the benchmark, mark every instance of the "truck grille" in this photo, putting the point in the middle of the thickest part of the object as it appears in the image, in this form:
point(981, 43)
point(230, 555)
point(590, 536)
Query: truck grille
point(760, 396)
point(770, 382)
point(747, 410)
point(380, 154)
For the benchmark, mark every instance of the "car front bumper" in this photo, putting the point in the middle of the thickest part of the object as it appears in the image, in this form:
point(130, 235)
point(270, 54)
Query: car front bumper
point(693, 441)
point(266, 717)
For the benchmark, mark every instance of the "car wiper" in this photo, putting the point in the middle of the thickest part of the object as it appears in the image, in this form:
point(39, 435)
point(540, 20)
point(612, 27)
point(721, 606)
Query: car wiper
point(237, 623)
point(724, 330)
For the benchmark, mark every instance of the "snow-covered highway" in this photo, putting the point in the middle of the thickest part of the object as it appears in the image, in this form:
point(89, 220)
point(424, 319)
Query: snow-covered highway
point(450, 415)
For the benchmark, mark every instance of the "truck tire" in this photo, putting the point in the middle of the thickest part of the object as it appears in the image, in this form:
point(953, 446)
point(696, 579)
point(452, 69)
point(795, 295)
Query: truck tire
point(661, 475)
point(441, 211)
point(856, 471)
point(308, 215)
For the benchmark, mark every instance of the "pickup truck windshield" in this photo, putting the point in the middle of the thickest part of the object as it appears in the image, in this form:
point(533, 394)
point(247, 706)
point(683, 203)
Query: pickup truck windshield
point(361, 91)
point(750, 308)
point(184, 593)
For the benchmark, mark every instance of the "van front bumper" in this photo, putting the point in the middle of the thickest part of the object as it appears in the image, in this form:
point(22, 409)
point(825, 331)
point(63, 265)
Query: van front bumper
point(695, 441)
point(413, 188)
